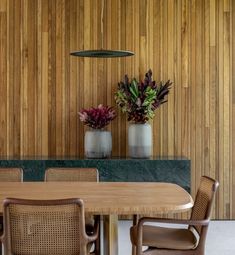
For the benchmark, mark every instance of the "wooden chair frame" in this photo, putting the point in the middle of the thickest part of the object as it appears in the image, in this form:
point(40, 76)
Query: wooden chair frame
point(84, 238)
point(18, 176)
point(82, 170)
point(199, 250)
point(17, 172)
point(90, 174)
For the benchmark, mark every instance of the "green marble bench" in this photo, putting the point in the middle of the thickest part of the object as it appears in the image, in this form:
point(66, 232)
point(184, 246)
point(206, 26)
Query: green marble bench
point(170, 169)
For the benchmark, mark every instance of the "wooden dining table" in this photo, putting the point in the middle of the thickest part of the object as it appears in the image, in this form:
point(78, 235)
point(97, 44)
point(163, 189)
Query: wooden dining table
point(109, 199)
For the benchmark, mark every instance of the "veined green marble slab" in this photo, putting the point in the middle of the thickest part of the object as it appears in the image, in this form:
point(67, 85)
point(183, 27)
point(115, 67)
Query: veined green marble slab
point(164, 169)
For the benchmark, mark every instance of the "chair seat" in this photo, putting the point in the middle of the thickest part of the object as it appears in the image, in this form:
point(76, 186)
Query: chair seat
point(165, 238)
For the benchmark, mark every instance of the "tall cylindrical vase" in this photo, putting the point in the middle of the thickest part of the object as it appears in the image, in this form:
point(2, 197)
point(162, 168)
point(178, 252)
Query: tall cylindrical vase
point(98, 143)
point(140, 140)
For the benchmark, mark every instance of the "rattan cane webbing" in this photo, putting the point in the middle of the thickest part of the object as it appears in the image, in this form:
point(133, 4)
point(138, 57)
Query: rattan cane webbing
point(11, 175)
point(203, 200)
point(75, 174)
point(44, 230)
point(72, 174)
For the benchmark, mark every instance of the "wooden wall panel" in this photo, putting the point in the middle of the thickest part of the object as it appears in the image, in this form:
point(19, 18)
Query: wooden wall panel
point(190, 42)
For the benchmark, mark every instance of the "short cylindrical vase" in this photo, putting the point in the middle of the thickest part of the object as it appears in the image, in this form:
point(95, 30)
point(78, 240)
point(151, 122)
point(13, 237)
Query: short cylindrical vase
point(98, 143)
point(140, 140)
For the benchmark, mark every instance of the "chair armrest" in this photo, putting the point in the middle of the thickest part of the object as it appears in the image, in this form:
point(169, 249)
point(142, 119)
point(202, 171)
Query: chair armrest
point(163, 220)
point(95, 235)
point(174, 221)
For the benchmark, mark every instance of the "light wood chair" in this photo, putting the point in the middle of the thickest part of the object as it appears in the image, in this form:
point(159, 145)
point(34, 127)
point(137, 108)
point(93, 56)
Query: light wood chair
point(177, 241)
point(47, 227)
point(9, 175)
point(77, 175)
point(59, 174)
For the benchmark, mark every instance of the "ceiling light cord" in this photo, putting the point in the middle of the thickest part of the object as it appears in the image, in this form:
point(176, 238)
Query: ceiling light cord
point(102, 53)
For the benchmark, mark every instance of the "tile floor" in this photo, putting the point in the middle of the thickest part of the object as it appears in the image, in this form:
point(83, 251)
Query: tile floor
point(220, 239)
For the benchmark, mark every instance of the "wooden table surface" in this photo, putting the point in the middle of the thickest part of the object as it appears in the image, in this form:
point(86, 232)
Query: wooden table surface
point(106, 197)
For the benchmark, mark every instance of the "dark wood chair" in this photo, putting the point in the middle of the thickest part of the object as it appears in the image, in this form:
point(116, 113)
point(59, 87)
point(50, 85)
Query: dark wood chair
point(177, 241)
point(77, 175)
point(33, 227)
point(9, 175)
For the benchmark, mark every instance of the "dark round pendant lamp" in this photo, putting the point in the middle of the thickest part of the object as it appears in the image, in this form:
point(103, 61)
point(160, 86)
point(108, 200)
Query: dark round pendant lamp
point(102, 53)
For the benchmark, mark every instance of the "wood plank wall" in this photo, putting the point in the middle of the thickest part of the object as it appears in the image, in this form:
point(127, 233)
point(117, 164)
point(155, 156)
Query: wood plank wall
point(188, 41)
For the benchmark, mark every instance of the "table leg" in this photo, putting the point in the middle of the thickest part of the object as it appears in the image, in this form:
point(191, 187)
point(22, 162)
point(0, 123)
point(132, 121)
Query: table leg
point(111, 234)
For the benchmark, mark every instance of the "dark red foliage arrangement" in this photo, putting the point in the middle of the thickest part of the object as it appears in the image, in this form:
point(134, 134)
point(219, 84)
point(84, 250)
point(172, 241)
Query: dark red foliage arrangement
point(97, 118)
point(139, 99)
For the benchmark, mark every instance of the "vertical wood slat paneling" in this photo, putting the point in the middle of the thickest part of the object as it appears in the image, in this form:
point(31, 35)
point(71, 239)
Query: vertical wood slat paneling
point(179, 29)
point(193, 137)
point(38, 91)
point(16, 82)
point(226, 128)
point(213, 140)
point(232, 84)
point(3, 78)
point(72, 20)
point(185, 77)
point(52, 79)
point(31, 76)
point(44, 78)
point(207, 88)
point(190, 42)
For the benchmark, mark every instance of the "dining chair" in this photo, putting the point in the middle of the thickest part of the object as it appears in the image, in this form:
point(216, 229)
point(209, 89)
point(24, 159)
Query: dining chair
point(47, 227)
point(177, 241)
point(9, 175)
point(58, 174)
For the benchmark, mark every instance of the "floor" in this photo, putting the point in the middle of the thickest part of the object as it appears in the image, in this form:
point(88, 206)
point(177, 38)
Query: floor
point(220, 239)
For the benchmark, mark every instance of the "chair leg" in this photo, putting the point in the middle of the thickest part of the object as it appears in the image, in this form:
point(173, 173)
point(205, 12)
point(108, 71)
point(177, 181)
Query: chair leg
point(1, 232)
point(133, 250)
point(135, 219)
point(97, 246)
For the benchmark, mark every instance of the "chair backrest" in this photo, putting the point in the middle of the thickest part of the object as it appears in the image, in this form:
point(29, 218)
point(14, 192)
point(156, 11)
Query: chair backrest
point(204, 200)
point(48, 227)
point(72, 175)
point(11, 175)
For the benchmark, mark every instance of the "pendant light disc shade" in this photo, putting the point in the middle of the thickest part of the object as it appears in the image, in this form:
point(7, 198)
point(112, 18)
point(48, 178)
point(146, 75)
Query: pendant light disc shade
point(102, 53)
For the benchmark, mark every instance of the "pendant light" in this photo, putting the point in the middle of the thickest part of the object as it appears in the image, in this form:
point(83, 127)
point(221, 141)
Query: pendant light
point(102, 53)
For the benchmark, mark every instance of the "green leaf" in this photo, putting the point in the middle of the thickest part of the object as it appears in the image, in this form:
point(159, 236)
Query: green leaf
point(134, 88)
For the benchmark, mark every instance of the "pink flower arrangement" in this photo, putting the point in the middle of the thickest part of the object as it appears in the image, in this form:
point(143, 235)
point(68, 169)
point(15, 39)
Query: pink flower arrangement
point(97, 118)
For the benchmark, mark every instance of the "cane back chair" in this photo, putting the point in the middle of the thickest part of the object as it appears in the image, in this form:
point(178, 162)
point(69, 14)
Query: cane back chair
point(48, 227)
point(177, 241)
point(9, 175)
point(58, 174)
point(71, 175)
